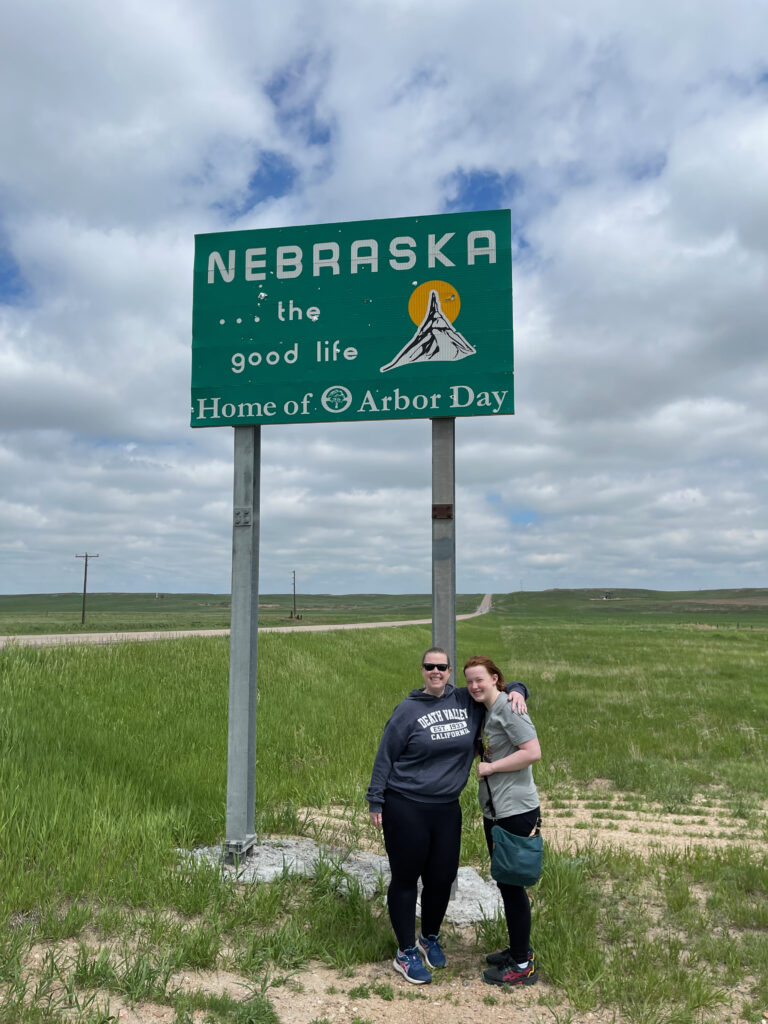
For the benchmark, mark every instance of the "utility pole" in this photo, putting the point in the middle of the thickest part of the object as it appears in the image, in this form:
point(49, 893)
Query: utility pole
point(293, 613)
point(86, 556)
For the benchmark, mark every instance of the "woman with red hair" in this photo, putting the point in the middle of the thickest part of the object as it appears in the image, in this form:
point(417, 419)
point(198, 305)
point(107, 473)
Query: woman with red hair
point(508, 798)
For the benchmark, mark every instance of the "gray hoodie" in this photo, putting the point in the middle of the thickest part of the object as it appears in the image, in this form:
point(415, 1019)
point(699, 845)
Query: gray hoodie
point(428, 747)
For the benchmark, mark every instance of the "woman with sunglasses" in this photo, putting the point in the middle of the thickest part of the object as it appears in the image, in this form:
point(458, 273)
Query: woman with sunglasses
point(508, 798)
point(422, 765)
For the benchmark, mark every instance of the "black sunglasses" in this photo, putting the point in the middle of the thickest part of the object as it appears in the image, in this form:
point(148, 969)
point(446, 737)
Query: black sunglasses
point(430, 665)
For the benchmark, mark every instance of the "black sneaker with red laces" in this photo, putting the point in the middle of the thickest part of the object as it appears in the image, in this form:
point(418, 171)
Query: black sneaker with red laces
point(504, 957)
point(511, 974)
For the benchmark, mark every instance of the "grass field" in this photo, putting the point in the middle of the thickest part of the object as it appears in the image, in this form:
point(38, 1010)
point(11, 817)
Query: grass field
point(105, 613)
point(61, 613)
point(113, 757)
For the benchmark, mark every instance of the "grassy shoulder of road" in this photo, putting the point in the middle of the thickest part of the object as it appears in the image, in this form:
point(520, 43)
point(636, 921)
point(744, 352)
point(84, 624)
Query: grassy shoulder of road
point(112, 758)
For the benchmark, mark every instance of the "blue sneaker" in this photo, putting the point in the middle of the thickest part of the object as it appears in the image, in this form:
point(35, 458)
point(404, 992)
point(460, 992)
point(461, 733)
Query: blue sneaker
point(408, 963)
point(431, 950)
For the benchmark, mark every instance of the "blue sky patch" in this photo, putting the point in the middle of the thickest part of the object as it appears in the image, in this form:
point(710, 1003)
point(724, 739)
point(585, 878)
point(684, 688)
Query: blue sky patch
point(275, 176)
point(13, 287)
point(520, 244)
point(649, 166)
point(518, 515)
point(298, 114)
point(483, 190)
point(490, 190)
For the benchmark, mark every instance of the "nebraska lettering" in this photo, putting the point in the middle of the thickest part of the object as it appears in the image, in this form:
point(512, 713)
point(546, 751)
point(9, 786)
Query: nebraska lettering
point(288, 261)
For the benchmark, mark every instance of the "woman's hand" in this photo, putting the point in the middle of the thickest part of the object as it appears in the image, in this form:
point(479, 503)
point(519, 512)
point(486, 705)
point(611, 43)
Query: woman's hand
point(517, 700)
point(376, 819)
point(527, 753)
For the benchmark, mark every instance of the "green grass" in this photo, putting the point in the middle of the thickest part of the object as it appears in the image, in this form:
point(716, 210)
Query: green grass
point(112, 757)
point(62, 613)
point(726, 610)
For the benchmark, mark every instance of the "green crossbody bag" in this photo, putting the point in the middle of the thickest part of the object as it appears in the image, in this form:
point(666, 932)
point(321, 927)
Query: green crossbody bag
point(515, 860)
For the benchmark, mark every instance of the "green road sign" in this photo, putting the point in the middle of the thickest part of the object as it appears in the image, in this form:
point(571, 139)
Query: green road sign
point(384, 319)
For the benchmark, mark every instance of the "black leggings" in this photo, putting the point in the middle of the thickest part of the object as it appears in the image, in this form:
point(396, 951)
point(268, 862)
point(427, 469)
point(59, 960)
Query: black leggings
point(422, 841)
point(517, 906)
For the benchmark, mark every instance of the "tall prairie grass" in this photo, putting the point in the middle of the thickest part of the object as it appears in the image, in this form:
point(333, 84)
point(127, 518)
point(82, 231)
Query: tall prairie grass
point(113, 757)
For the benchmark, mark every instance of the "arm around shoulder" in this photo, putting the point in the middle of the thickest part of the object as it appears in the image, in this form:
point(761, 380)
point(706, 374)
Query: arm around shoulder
point(517, 695)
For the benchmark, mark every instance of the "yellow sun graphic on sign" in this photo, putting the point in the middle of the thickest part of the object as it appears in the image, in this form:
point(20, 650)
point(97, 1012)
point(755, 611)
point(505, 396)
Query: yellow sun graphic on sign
point(450, 302)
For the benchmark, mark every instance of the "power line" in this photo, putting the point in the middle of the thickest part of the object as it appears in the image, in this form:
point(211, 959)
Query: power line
point(86, 556)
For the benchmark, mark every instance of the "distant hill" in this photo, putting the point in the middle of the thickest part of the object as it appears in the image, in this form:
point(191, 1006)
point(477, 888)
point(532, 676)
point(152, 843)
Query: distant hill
point(748, 605)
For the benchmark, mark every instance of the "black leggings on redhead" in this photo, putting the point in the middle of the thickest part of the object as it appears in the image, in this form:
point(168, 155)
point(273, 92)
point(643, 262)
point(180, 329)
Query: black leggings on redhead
point(422, 841)
point(517, 907)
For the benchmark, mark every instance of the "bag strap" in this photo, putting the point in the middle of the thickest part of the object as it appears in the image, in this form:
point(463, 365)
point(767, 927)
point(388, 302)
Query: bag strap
point(536, 828)
point(490, 796)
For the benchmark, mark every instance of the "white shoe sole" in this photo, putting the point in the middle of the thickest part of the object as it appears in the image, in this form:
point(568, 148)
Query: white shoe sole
point(414, 981)
point(426, 959)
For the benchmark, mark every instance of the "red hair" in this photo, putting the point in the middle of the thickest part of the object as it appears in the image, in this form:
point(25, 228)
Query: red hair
point(486, 663)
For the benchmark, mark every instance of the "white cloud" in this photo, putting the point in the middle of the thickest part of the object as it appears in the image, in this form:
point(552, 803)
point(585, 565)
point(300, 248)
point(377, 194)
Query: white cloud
point(685, 501)
point(630, 143)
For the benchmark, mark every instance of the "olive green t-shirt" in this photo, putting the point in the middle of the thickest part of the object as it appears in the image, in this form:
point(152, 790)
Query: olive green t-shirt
point(503, 732)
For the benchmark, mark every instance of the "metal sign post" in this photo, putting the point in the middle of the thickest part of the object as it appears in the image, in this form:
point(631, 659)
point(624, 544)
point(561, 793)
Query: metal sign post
point(444, 537)
point(444, 544)
point(243, 641)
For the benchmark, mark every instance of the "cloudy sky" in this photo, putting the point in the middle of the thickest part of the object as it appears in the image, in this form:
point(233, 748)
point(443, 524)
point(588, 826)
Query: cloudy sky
point(630, 142)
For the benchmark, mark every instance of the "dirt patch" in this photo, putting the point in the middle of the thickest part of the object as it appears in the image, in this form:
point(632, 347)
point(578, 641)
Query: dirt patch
point(596, 814)
point(601, 815)
point(376, 994)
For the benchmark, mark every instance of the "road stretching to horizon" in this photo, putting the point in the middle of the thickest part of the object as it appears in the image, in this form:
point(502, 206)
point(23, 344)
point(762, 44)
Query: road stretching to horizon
point(58, 639)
